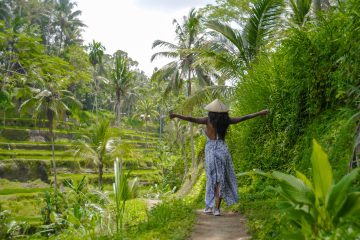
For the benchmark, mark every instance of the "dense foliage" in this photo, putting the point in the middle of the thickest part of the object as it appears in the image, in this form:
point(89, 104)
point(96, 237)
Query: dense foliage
point(299, 59)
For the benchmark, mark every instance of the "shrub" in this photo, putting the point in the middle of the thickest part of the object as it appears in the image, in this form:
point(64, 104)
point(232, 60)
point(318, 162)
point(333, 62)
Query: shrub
point(320, 207)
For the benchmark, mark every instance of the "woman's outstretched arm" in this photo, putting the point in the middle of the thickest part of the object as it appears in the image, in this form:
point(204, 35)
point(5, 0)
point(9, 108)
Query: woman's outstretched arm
point(246, 117)
point(189, 119)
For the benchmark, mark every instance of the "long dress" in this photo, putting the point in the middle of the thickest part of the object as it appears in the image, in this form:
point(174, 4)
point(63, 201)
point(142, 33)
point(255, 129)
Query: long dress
point(219, 169)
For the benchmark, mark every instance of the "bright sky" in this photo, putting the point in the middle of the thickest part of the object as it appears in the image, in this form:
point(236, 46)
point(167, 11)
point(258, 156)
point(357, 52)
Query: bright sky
point(133, 25)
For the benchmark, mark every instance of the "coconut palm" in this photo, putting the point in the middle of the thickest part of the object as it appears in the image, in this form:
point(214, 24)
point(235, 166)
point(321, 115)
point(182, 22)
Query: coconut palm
point(124, 190)
point(53, 103)
point(94, 145)
point(189, 36)
point(5, 103)
point(121, 80)
point(300, 11)
point(67, 22)
point(95, 57)
point(147, 110)
point(232, 50)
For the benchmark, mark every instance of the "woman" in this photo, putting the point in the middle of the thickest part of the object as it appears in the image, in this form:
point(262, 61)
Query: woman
point(220, 175)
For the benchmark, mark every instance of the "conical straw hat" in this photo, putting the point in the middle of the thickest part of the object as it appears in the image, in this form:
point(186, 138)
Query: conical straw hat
point(216, 106)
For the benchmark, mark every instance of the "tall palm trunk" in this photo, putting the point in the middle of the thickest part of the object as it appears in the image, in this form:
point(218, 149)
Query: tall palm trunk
point(60, 43)
point(96, 92)
point(101, 166)
point(53, 160)
point(191, 125)
point(160, 123)
point(184, 155)
point(117, 107)
point(317, 6)
point(4, 117)
point(50, 115)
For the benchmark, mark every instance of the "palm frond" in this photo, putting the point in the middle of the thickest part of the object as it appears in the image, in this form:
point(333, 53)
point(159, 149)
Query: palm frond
point(232, 35)
point(300, 9)
point(86, 152)
point(204, 96)
point(263, 18)
point(204, 78)
point(164, 54)
point(161, 43)
point(229, 65)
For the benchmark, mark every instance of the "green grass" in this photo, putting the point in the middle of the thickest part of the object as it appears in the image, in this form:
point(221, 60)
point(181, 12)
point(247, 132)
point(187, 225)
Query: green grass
point(141, 134)
point(17, 197)
point(24, 208)
point(44, 129)
point(141, 142)
point(4, 183)
point(39, 159)
point(22, 190)
point(135, 212)
point(127, 134)
point(31, 220)
point(58, 142)
point(143, 175)
point(22, 152)
point(169, 220)
point(32, 146)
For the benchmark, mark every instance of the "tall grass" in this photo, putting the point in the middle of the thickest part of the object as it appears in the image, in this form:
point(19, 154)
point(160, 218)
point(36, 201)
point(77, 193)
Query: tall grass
point(307, 83)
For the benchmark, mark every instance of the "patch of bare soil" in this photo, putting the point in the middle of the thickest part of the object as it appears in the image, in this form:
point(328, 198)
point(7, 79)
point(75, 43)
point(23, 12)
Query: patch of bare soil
point(228, 226)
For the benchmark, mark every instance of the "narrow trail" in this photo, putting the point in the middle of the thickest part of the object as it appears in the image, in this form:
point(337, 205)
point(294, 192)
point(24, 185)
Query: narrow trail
point(228, 226)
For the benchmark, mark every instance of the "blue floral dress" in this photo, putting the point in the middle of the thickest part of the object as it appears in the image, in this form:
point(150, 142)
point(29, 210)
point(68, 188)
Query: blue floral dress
point(219, 169)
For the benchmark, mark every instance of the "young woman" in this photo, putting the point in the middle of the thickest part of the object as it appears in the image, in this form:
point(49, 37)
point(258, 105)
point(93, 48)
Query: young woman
point(220, 175)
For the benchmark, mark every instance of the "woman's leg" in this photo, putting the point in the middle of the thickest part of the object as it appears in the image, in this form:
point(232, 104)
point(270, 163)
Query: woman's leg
point(217, 196)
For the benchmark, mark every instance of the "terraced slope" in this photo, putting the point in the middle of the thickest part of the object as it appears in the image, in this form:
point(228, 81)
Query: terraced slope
point(25, 163)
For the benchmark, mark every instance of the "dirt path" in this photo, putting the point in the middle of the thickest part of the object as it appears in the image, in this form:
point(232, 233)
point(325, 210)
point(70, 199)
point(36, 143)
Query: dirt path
point(228, 226)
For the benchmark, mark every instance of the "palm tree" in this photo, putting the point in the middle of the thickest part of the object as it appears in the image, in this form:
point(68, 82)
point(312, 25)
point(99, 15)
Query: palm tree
point(189, 36)
point(233, 52)
point(320, 5)
point(52, 103)
point(121, 81)
point(300, 11)
point(5, 103)
point(95, 57)
point(94, 145)
point(68, 23)
point(147, 109)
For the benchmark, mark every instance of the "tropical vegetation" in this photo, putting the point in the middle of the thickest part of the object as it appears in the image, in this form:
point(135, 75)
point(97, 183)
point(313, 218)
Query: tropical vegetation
point(86, 131)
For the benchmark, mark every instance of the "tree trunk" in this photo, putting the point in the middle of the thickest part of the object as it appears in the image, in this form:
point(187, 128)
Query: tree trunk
point(147, 135)
point(96, 93)
point(185, 158)
point(355, 161)
point(50, 117)
point(60, 44)
point(191, 125)
point(117, 107)
point(53, 160)
point(317, 7)
point(101, 174)
point(4, 117)
point(160, 123)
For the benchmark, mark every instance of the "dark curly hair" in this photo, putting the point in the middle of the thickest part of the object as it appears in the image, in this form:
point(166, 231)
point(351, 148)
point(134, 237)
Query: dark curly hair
point(220, 122)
